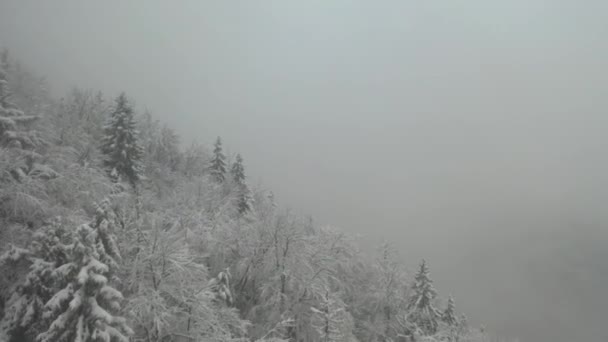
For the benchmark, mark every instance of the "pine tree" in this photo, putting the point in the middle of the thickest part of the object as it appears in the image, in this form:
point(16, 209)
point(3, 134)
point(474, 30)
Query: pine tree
point(4, 91)
point(449, 314)
point(238, 170)
point(106, 245)
point(25, 306)
point(120, 146)
point(15, 129)
point(48, 250)
point(82, 309)
point(4, 64)
point(52, 266)
point(245, 200)
point(244, 196)
point(422, 311)
point(218, 163)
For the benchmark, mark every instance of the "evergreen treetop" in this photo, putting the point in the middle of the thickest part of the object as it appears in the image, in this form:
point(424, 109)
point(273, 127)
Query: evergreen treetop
point(238, 170)
point(423, 289)
point(422, 311)
point(244, 200)
point(82, 309)
point(120, 144)
point(218, 163)
point(244, 196)
point(449, 314)
point(48, 250)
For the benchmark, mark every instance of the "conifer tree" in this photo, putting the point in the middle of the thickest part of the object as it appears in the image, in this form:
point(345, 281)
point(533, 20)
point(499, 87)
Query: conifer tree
point(15, 129)
point(238, 170)
point(244, 196)
point(4, 65)
point(218, 163)
point(54, 258)
point(4, 59)
point(48, 250)
point(422, 311)
point(245, 200)
point(83, 309)
point(449, 314)
point(120, 146)
point(104, 224)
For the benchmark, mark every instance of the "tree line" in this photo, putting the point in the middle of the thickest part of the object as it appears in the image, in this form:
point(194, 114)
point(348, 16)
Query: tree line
point(112, 231)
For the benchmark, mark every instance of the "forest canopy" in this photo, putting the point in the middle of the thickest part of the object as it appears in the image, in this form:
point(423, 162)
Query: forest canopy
point(115, 230)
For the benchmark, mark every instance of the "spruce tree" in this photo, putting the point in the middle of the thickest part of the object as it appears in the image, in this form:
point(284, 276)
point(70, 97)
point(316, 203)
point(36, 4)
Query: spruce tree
point(83, 309)
point(15, 129)
point(120, 146)
point(244, 196)
point(4, 92)
point(238, 170)
point(48, 250)
point(218, 163)
point(449, 314)
point(422, 311)
point(67, 273)
point(245, 200)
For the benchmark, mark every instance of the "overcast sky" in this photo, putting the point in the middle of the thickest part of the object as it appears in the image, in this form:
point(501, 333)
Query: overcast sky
point(472, 133)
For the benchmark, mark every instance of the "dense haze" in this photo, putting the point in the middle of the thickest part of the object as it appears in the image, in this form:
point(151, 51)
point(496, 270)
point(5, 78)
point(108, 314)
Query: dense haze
point(470, 133)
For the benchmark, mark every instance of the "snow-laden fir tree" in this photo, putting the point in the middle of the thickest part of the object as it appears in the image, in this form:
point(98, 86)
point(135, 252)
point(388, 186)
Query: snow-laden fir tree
point(104, 224)
point(238, 170)
point(52, 266)
point(449, 314)
point(4, 91)
point(218, 163)
point(23, 318)
point(453, 330)
point(83, 309)
point(245, 200)
point(420, 304)
point(4, 65)
point(244, 197)
point(123, 154)
point(4, 59)
point(15, 130)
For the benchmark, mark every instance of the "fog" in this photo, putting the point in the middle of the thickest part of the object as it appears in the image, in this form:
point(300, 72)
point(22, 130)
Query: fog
point(469, 133)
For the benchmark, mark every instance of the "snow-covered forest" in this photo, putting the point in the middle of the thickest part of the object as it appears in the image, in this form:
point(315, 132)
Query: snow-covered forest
point(112, 230)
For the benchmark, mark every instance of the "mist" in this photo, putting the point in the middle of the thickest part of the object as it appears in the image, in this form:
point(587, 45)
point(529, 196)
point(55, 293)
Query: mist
point(471, 133)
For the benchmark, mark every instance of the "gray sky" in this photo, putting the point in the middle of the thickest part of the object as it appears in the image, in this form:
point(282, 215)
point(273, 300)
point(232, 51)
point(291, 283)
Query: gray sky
point(471, 133)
